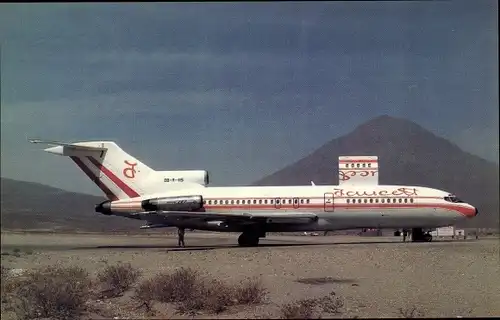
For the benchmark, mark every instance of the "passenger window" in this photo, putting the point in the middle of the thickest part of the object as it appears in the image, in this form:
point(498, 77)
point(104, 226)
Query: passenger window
point(348, 200)
point(365, 200)
point(371, 200)
point(364, 165)
point(301, 201)
point(254, 201)
point(260, 201)
point(347, 165)
point(357, 165)
point(352, 165)
point(232, 201)
point(265, 201)
point(369, 165)
point(227, 201)
point(307, 201)
point(406, 200)
point(204, 201)
point(411, 200)
point(400, 200)
point(237, 201)
point(272, 201)
point(393, 200)
point(295, 201)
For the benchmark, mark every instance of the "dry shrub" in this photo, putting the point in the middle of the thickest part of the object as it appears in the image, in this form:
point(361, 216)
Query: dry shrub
point(192, 294)
point(174, 287)
point(209, 295)
point(250, 291)
point(115, 280)
point(146, 291)
point(53, 292)
point(5, 272)
point(330, 303)
point(410, 312)
point(307, 308)
point(300, 309)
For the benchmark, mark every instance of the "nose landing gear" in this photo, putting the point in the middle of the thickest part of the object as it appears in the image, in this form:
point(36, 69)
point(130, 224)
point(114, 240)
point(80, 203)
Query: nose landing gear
point(417, 235)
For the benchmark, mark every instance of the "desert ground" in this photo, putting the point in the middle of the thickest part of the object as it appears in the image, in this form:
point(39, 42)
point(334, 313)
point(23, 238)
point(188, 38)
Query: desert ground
point(375, 276)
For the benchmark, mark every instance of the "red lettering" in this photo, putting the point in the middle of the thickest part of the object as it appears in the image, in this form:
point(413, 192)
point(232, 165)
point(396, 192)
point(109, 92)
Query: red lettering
point(130, 171)
point(338, 192)
point(405, 191)
point(344, 175)
point(381, 193)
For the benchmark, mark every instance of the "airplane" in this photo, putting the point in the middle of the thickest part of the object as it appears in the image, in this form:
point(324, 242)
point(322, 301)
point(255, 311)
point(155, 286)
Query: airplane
point(183, 199)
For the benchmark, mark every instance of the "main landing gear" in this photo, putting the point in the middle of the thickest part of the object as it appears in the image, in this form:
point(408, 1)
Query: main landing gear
point(417, 235)
point(250, 238)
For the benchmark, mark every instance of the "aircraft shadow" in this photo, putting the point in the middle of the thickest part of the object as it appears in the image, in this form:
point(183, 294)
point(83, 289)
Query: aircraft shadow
point(169, 247)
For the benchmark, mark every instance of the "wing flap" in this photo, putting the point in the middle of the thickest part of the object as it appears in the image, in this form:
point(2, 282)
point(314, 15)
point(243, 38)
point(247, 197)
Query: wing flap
point(233, 217)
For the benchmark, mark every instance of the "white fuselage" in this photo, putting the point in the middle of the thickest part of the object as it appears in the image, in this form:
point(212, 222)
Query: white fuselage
point(336, 207)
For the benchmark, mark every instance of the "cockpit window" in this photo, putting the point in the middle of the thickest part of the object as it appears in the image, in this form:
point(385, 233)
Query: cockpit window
point(452, 198)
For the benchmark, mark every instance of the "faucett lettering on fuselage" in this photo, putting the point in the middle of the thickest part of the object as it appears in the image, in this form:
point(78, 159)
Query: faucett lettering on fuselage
point(403, 191)
point(346, 175)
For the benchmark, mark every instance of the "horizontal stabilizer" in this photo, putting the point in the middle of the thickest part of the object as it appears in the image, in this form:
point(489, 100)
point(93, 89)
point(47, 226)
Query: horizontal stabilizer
point(75, 146)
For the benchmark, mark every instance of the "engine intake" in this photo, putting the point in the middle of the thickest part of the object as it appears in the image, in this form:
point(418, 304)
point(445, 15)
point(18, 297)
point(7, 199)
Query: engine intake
point(182, 203)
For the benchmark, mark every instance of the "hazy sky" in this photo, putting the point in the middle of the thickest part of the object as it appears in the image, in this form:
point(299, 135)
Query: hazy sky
point(239, 89)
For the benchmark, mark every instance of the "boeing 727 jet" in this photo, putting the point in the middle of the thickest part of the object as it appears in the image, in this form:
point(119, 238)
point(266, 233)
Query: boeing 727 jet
point(183, 198)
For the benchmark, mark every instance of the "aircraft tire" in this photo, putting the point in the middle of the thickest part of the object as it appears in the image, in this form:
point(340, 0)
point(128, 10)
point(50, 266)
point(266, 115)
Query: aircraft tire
point(427, 237)
point(248, 240)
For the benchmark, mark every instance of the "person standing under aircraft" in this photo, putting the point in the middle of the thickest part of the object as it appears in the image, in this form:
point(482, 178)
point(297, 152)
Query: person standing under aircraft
point(180, 234)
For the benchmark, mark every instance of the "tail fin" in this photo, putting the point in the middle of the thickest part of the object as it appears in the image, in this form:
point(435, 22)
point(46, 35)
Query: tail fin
point(118, 174)
point(358, 170)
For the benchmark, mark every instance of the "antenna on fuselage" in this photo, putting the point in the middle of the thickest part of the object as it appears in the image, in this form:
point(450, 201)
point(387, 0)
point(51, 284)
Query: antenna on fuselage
point(312, 183)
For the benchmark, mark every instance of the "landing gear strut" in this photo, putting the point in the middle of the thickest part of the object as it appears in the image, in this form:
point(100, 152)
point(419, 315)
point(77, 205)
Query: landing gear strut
point(417, 235)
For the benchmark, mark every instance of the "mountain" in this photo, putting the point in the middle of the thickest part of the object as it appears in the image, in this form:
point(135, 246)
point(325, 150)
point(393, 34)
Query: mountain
point(408, 154)
point(28, 206)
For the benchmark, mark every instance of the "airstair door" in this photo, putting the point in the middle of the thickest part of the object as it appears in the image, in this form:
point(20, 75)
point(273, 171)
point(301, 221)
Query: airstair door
point(329, 202)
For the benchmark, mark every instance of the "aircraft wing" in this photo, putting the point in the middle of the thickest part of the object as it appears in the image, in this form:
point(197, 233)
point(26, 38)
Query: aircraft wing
point(229, 217)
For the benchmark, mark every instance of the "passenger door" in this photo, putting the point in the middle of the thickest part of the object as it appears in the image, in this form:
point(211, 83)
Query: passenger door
point(329, 204)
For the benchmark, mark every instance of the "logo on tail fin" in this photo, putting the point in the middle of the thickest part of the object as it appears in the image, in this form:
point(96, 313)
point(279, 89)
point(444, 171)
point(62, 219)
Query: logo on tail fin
point(130, 171)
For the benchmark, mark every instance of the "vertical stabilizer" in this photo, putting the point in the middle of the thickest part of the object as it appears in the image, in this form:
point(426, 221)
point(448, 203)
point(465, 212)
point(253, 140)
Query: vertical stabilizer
point(118, 174)
point(358, 170)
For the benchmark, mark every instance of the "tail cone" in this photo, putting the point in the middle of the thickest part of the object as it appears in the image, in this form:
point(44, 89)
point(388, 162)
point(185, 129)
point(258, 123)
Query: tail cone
point(104, 207)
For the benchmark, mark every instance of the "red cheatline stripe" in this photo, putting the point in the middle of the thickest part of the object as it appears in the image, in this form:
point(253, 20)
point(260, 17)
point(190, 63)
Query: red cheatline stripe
point(349, 161)
point(463, 210)
point(94, 178)
point(128, 191)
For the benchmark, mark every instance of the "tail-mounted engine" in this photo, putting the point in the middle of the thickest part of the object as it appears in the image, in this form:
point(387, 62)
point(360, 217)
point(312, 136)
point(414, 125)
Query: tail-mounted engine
point(187, 203)
point(180, 203)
